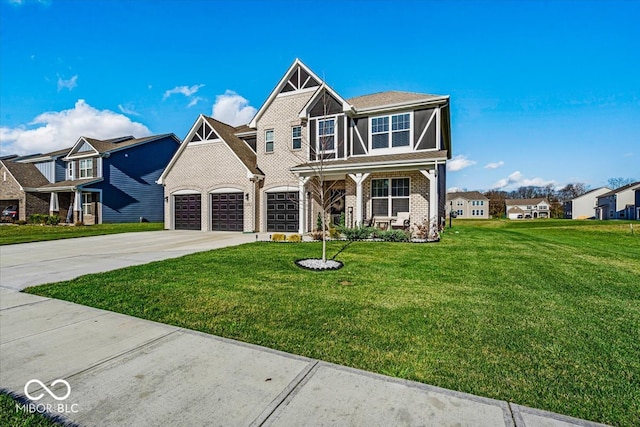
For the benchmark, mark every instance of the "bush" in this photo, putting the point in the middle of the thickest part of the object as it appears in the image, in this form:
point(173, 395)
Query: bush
point(294, 238)
point(52, 220)
point(358, 233)
point(334, 233)
point(21, 222)
point(278, 237)
point(37, 218)
point(316, 235)
point(393, 236)
point(79, 224)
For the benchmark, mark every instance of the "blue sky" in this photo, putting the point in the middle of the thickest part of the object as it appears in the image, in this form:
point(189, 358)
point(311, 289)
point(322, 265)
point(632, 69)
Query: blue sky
point(541, 91)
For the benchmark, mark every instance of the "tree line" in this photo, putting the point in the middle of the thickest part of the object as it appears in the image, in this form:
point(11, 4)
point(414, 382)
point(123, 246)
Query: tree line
point(555, 196)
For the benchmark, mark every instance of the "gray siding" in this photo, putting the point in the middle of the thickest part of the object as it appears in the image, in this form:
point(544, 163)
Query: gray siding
point(362, 125)
point(320, 109)
point(47, 169)
point(420, 120)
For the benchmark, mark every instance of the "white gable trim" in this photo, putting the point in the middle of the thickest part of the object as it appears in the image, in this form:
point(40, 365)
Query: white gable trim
point(178, 152)
point(79, 143)
point(283, 81)
point(305, 110)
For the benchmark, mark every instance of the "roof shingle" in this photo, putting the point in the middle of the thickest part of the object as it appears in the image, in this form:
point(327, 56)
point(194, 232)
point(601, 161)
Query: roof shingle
point(27, 175)
point(392, 97)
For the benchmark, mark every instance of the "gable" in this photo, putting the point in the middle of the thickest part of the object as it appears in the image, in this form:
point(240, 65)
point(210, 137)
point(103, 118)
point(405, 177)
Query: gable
point(82, 147)
point(325, 104)
point(298, 79)
point(204, 132)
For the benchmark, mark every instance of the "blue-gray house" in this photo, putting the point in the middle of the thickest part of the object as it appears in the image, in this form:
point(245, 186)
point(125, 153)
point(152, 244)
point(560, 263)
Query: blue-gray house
point(105, 181)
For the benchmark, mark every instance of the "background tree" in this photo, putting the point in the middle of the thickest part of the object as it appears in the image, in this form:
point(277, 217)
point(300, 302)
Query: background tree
point(614, 183)
point(496, 203)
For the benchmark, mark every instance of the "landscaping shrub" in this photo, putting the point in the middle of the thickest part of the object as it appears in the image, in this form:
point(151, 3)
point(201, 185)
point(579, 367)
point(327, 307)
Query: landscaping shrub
point(316, 235)
point(79, 224)
point(37, 219)
point(21, 222)
point(52, 220)
point(294, 238)
point(278, 237)
point(358, 233)
point(393, 236)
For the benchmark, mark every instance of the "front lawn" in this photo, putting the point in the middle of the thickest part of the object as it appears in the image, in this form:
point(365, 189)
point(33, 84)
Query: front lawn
point(10, 234)
point(541, 313)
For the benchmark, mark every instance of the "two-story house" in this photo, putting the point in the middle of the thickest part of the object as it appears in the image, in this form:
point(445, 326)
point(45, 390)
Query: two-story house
point(95, 181)
point(619, 203)
point(584, 206)
point(527, 208)
point(468, 204)
point(377, 154)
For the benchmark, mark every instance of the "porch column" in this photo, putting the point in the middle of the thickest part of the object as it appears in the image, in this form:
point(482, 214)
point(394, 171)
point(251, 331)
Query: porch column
point(77, 205)
point(432, 175)
point(302, 202)
point(53, 203)
point(359, 179)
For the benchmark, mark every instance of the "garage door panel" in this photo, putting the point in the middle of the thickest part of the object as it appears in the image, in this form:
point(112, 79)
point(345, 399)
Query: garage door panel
point(282, 212)
point(227, 211)
point(187, 212)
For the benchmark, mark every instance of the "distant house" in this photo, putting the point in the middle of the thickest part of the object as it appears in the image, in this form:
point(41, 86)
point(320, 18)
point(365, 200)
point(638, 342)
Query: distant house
point(620, 203)
point(468, 204)
point(637, 202)
point(94, 181)
point(527, 208)
point(584, 206)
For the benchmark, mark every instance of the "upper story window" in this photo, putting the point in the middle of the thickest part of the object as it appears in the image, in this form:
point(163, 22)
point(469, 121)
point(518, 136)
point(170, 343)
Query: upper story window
point(70, 170)
point(326, 135)
point(268, 140)
point(393, 131)
point(296, 137)
point(86, 168)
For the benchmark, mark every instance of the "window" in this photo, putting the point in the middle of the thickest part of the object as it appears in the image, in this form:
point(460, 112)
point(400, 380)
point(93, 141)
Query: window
point(460, 212)
point(70, 170)
point(460, 203)
point(296, 137)
point(86, 168)
point(326, 135)
point(87, 205)
point(268, 140)
point(399, 135)
point(389, 196)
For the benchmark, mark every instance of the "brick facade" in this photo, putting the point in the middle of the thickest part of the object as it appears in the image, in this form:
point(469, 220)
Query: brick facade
point(281, 115)
point(10, 192)
point(204, 168)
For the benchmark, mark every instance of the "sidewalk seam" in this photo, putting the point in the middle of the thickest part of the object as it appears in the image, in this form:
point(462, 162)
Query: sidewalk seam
point(286, 395)
point(116, 356)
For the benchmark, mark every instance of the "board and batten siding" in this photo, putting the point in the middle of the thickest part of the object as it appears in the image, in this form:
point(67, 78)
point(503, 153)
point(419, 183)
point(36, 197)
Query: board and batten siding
point(129, 189)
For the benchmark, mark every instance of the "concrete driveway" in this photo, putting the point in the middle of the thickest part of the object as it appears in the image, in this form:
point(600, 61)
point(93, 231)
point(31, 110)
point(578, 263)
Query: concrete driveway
point(31, 264)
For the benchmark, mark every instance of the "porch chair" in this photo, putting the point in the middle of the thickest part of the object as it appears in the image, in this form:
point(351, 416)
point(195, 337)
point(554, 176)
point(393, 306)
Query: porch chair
point(402, 221)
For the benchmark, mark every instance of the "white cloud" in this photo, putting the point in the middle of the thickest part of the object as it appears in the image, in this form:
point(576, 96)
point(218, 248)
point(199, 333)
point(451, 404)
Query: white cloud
point(128, 109)
point(67, 84)
point(59, 129)
point(233, 109)
point(459, 162)
point(494, 165)
point(185, 90)
point(194, 101)
point(455, 189)
point(516, 180)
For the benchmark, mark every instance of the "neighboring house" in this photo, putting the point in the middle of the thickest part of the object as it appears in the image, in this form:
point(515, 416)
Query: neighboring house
point(94, 181)
point(468, 204)
point(637, 202)
point(17, 188)
point(584, 206)
point(620, 203)
point(527, 208)
point(381, 154)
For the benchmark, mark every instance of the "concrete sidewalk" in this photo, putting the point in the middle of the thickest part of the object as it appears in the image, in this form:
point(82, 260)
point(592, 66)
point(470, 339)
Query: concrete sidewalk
point(124, 371)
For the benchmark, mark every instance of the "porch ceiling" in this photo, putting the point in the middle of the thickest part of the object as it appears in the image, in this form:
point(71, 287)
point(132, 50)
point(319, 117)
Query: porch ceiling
point(66, 185)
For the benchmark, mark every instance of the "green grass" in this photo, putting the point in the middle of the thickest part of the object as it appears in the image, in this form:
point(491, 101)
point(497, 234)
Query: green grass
point(10, 234)
point(13, 417)
point(541, 313)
